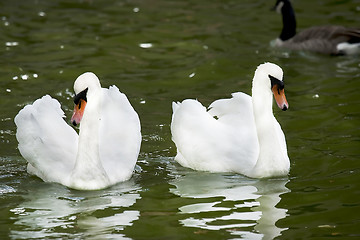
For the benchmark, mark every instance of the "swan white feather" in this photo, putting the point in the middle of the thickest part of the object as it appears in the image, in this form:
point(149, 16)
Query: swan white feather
point(105, 151)
point(239, 134)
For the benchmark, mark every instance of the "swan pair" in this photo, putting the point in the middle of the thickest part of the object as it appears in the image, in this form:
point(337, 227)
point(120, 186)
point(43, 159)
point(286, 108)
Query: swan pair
point(330, 39)
point(238, 135)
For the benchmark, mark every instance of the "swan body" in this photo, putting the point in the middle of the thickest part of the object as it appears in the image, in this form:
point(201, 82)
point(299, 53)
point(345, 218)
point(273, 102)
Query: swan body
point(239, 134)
point(106, 149)
point(330, 39)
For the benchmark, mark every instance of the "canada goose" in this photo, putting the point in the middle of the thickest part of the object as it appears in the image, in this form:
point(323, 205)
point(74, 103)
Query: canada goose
point(329, 39)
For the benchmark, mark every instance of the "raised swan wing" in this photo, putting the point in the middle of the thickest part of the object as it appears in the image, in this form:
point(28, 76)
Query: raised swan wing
point(46, 141)
point(120, 135)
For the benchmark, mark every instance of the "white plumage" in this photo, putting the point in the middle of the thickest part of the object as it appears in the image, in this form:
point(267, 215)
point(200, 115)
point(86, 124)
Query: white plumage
point(105, 151)
point(239, 134)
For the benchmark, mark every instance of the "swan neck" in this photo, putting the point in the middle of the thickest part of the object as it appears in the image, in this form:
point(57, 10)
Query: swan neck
point(262, 99)
point(88, 167)
point(289, 22)
point(89, 129)
point(271, 160)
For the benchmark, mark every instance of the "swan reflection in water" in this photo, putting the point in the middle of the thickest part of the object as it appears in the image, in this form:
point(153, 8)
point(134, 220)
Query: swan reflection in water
point(242, 206)
point(53, 211)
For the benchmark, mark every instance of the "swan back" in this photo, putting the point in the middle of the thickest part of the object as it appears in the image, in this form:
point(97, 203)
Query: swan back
point(222, 139)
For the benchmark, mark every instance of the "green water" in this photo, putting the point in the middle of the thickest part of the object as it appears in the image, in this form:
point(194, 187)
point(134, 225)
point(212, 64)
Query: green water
point(162, 51)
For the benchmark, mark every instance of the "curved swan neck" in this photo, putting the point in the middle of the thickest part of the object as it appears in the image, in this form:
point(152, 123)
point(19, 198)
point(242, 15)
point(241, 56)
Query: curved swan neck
point(289, 21)
point(261, 97)
point(89, 128)
point(271, 160)
point(88, 167)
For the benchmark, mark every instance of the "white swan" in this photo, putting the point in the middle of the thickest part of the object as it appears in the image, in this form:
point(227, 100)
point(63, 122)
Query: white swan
point(239, 134)
point(330, 39)
point(106, 149)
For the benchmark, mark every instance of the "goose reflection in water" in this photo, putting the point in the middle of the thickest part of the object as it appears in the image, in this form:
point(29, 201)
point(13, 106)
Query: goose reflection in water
point(54, 211)
point(244, 207)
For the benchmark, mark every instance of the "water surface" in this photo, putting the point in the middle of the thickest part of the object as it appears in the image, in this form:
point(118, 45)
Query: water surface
point(162, 51)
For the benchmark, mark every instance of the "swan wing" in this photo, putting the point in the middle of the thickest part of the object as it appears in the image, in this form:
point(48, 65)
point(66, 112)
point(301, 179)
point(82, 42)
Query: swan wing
point(120, 135)
point(236, 110)
point(225, 143)
point(46, 141)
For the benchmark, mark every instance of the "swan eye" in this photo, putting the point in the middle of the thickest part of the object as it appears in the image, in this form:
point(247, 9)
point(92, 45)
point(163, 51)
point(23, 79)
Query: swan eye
point(275, 81)
point(79, 96)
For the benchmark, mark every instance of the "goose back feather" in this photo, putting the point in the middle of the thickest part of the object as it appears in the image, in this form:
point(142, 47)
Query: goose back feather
point(328, 39)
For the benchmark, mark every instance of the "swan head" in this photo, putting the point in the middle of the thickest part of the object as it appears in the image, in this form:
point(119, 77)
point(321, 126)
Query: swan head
point(270, 77)
point(86, 84)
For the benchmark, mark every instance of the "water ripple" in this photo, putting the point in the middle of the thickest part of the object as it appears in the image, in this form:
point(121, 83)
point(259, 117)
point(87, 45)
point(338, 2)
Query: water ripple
point(233, 202)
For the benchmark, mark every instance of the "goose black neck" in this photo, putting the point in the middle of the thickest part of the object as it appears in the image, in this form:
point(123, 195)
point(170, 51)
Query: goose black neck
point(289, 21)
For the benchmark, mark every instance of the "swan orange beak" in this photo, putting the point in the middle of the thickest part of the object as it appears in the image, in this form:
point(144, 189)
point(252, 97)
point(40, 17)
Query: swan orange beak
point(280, 98)
point(78, 112)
